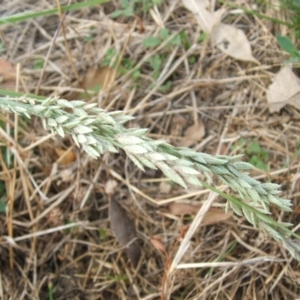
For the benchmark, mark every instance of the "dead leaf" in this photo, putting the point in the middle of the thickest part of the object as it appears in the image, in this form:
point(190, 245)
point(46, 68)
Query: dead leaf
point(102, 77)
point(181, 208)
point(165, 187)
point(177, 124)
point(193, 134)
point(227, 38)
point(295, 101)
point(94, 80)
point(65, 156)
point(232, 41)
point(213, 216)
point(66, 175)
point(7, 73)
point(206, 19)
point(55, 217)
point(284, 90)
point(223, 150)
point(124, 230)
point(157, 243)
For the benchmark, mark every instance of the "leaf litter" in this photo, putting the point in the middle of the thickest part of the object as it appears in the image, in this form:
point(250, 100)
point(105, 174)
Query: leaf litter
point(229, 39)
point(284, 90)
point(232, 41)
point(81, 261)
point(7, 74)
point(213, 216)
point(193, 134)
point(158, 244)
point(124, 230)
point(65, 156)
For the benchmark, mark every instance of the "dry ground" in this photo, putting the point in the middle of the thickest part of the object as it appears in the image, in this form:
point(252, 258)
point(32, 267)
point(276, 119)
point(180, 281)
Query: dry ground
point(63, 246)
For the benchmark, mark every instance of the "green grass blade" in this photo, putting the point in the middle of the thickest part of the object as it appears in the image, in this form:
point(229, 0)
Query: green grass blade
point(31, 15)
point(18, 94)
point(287, 45)
point(256, 13)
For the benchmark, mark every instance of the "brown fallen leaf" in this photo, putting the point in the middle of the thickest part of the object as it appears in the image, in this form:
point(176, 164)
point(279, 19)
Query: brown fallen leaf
point(102, 77)
point(7, 73)
point(181, 208)
point(284, 90)
point(158, 244)
point(193, 134)
point(206, 19)
point(223, 150)
point(177, 124)
point(227, 38)
point(95, 79)
point(213, 216)
point(232, 41)
point(124, 230)
point(65, 157)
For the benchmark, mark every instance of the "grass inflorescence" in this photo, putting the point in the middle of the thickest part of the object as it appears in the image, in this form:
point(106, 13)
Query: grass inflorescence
point(97, 131)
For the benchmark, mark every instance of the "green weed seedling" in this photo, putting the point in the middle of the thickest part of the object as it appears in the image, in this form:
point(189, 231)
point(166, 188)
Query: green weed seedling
point(91, 92)
point(292, 7)
point(110, 55)
point(157, 61)
point(124, 67)
point(297, 152)
point(287, 45)
point(127, 65)
point(164, 34)
point(118, 278)
point(134, 7)
point(91, 35)
point(38, 63)
point(103, 234)
point(2, 204)
point(51, 291)
point(71, 229)
point(258, 157)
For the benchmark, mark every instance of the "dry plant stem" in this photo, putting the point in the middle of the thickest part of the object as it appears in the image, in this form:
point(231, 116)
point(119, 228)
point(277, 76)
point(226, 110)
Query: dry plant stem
point(132, 187)
point(1, 288)
point(11, 194)
point(250, 261)
point(97, 131)
point(11, 241)
point(11, 254)
point(10, 197)
point(68, 51)
point(120, 57)
point(88, 193)
point(62, 196)
point(143, 102)
point(47, 57)
point(193, 227)
point(167, 280)
point(281, 274)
